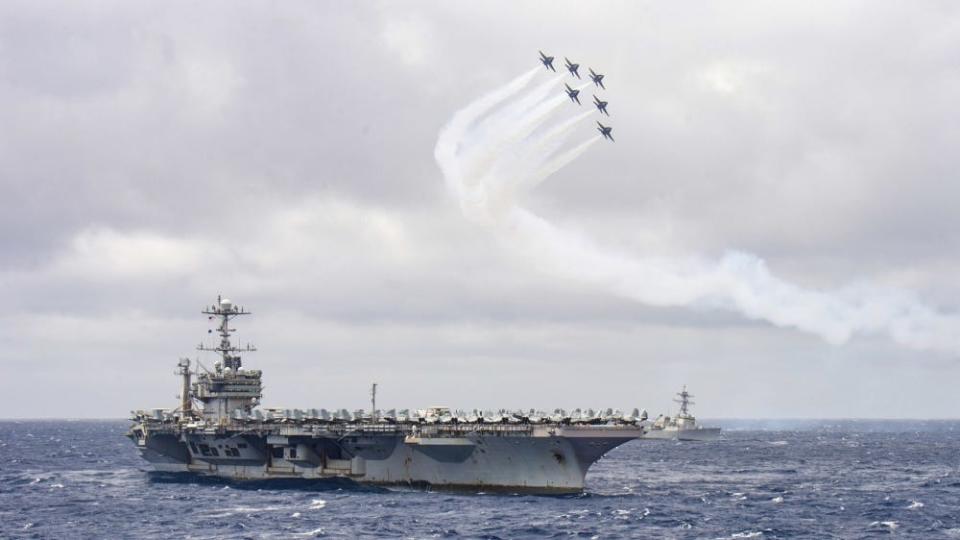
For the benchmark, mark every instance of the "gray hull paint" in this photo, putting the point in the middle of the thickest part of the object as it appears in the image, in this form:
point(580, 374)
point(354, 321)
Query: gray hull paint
point(165, 453)
point(699, 434)
point(539, 464)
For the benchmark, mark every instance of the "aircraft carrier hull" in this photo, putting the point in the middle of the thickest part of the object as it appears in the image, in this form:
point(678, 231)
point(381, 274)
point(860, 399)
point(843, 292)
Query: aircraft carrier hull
point(534, 460)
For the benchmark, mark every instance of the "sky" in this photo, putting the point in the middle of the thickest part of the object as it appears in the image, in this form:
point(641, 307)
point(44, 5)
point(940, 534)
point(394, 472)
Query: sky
point(288, 156)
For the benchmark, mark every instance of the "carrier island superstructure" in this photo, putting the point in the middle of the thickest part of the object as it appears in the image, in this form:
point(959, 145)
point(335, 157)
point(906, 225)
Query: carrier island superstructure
point(220, 430)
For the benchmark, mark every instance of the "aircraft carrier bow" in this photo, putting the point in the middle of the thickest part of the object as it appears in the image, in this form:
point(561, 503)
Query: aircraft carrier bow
point(220, 430)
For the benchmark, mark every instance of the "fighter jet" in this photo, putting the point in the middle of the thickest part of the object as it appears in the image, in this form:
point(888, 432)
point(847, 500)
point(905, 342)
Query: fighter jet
point(601, 105)
point(547, 61)
point(597, 79)
point(573, 93)
point(605, 131)
point(572, 68)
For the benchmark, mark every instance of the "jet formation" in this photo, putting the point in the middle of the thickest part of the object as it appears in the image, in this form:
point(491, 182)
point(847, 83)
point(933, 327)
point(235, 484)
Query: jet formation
point(597, 79)
point(601, 105)
point(574, 93)
point(547, 61)
point(605, 131)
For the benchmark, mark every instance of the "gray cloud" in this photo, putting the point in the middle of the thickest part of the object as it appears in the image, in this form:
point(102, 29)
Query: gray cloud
point(151, 158)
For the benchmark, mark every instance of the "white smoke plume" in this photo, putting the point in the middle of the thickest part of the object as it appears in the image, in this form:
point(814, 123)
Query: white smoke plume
point(500, 145)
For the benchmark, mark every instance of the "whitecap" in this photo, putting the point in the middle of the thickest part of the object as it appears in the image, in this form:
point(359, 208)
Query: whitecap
point(778, 443)
point(888, 524)
point(254, 509)
point(58, 486)
point(747, 534)
point(295, 515)
point(314, 532)
point(914, 505)
point(317, 504)
point(778, 499)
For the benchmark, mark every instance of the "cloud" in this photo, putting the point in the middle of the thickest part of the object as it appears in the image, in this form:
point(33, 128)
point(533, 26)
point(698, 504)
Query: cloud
point(106, 254)
point(282, 154)
point(410, 40)
point(730, 78)
point(210, 84)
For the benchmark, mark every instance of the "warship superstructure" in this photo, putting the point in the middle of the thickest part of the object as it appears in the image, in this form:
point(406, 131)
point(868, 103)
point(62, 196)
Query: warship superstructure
point(682, 427)
point(220, 430)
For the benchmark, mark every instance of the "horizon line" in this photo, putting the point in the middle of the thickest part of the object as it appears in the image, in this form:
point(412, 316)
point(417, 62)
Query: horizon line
point(703, 418)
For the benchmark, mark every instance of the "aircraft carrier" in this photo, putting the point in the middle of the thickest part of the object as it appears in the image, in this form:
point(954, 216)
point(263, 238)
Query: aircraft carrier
point(220, 430)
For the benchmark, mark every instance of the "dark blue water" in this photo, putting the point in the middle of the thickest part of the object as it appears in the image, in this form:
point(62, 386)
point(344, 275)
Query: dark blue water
point(83, 479)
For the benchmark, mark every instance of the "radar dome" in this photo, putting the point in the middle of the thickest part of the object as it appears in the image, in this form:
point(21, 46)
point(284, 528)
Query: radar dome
point(226, 304)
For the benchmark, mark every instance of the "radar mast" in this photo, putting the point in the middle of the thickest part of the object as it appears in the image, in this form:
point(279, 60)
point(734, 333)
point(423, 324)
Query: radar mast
point(225, 310)
point(228, 391)
point(683, 398)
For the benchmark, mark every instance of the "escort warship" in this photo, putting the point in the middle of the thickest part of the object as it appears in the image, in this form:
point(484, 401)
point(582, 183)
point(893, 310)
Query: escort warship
point(684, 426)
point(220, 430)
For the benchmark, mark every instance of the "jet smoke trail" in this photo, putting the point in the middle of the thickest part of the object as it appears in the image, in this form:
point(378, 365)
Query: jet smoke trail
point(497, 147)
point(452, 146)
point(561, 161)
point(548, 144)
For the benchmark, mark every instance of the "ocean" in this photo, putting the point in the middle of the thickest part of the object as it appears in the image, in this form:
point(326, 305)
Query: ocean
point(763, 479)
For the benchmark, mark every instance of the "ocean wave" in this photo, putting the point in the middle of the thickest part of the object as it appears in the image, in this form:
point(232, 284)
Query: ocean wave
point(890, 524)
point(684, 491)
